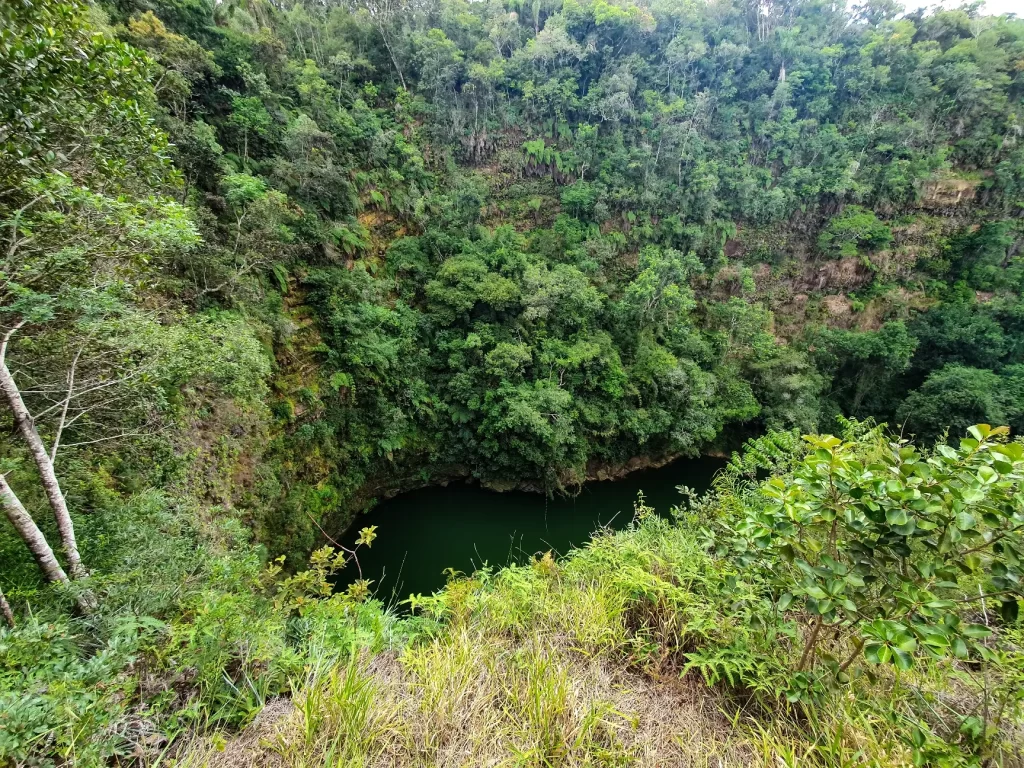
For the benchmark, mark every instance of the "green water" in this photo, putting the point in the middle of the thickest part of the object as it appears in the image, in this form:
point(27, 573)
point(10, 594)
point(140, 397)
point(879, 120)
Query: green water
point(463, 526)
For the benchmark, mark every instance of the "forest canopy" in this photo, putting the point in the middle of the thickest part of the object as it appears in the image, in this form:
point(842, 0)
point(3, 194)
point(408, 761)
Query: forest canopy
point(514, 242)
point(265, 262)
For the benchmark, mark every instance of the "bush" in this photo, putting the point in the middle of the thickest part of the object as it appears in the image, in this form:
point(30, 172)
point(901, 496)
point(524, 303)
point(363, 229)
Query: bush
point(63, 691)
point(886, 551)
point(856, 230)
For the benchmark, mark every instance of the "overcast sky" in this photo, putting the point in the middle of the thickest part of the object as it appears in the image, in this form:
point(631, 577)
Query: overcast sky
point(1006, 6)
point(991, 6)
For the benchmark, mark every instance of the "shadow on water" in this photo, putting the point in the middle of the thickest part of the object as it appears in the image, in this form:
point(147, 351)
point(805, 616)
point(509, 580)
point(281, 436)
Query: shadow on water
point(422, 533)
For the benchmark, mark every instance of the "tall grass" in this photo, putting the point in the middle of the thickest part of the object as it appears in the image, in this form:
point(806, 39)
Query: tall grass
point(624, 653)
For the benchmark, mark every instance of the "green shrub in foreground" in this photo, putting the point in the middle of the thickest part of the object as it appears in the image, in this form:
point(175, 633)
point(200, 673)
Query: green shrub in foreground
point(897, 556)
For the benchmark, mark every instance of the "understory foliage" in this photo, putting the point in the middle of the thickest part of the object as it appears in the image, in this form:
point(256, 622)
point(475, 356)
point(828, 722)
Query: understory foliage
point(853, 601)
point(263, 263)
point(570, 662)
point(518, 242)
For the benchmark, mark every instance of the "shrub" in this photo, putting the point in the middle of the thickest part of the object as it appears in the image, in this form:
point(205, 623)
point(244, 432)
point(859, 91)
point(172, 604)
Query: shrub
point(887, 549)
point(855, 230)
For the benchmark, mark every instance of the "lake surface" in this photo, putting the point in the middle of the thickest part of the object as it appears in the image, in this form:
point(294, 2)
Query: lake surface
point(464, 526)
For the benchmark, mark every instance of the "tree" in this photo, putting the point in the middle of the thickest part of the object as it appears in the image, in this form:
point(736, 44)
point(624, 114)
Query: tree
point(182, 62)
point(530, 429)
point(440, 63)
point(862, 365)
point(854, 231)
point(44, 464)
point(251, 120)
point(788, 387)
point(5, 609)
point(660, 293)
point(560, 298)
point(309, 170)
point(982, 256)
point(71, 253)
point(71, 95)
point(31, 535)
point(383, 13)
point(464, 283)
point(74, 258)
point(259, 235)
point(959, 332)
point(955, 396)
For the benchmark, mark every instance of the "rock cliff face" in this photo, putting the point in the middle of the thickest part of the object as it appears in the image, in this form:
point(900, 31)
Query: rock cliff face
point(944, 192)
point(596, 471)
point(601, 471)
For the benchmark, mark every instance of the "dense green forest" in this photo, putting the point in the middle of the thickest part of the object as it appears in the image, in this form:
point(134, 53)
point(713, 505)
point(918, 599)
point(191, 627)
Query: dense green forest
point(266, 262)
point(515, 243)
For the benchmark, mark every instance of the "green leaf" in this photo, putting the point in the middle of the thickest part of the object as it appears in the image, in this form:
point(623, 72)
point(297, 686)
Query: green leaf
point(907, 643)
point(902, 659)
point(873, 653)
point(896, 516)
point(959, 648)
point(991, 518)
point(367, 535)
point(980, 431)
point(1009, 610)
point(973, 495)
point(936, 641)
point(965, 521)
point(972, 727)
point(906, 529)
point(976, 631)
point(946, 542)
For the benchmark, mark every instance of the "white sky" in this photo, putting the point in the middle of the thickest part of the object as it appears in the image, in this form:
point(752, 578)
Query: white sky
point(993, 7)
point(1005, 6)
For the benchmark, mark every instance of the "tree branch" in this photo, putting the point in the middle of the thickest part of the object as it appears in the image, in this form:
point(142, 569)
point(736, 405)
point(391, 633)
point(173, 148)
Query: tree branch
point(15, 221)
point(34, 538)
point(7, 339)
point(811, 642)
point(339, 546)
point(128, 377)
point(67, 402)
point(857, 646)
point(54, 495)
point(118, 436)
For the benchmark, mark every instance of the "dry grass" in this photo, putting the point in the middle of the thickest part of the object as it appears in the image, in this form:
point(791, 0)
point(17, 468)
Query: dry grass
point(539, 669)
point(486, 700)
point(575, 663)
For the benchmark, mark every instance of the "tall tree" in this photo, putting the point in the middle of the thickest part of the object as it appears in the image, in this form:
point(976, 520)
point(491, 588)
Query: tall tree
point(73, 256)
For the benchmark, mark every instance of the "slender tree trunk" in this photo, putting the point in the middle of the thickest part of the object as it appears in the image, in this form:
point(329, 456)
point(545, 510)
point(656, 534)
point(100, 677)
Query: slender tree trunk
point(391, 53)
point(49, 477)
point(809, 645)
point(30, 534)
point(5, 609)
point(40, 549)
